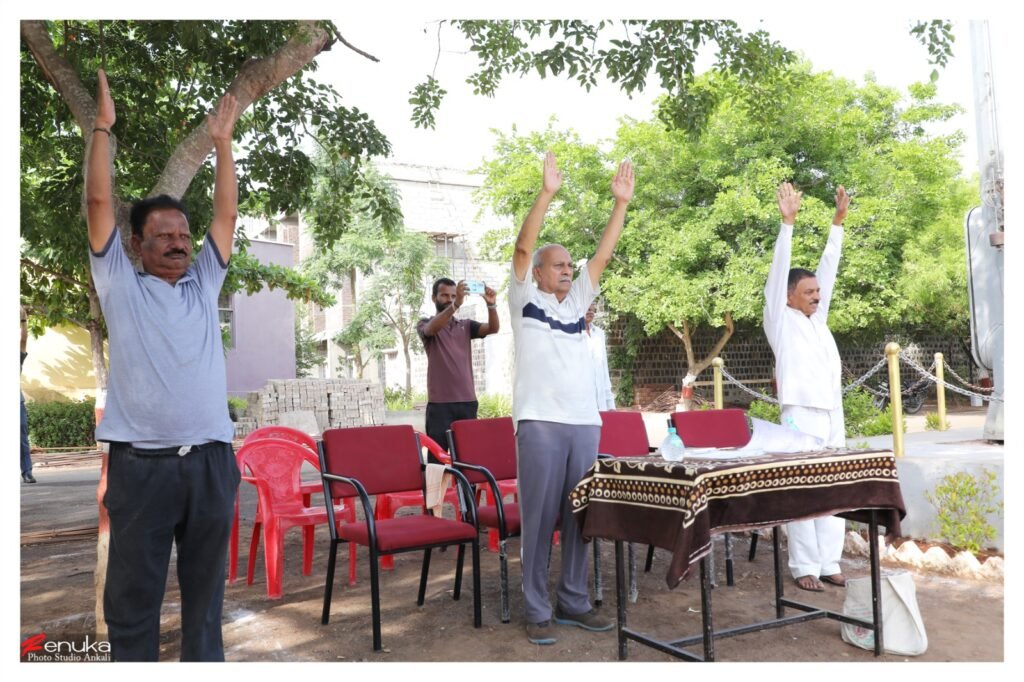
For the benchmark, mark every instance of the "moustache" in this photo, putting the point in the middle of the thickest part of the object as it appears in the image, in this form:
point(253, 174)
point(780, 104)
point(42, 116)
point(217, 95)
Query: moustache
point(176, 252)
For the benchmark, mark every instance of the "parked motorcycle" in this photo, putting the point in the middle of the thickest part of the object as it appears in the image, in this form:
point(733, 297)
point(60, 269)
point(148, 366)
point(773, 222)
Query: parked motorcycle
point(913, 396)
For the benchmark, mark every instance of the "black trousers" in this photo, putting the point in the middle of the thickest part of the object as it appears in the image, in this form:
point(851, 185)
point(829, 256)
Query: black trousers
point(440, 416)
point(156, 498)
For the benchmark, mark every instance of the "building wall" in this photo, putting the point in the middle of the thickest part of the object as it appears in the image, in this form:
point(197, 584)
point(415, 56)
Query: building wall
point(264, 329)
point(59, 366)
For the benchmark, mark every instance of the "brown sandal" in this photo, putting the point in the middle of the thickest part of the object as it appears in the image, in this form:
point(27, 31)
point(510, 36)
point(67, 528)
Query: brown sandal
point(809, 583)
point(836, 579)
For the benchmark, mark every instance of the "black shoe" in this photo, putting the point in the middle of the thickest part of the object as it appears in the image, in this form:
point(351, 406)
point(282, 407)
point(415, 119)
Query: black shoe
point(27, 477)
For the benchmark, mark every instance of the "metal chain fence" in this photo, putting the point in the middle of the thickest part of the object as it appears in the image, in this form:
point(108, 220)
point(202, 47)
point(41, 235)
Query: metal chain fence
point(956, 389)
point(979, 389)
point(926, 376)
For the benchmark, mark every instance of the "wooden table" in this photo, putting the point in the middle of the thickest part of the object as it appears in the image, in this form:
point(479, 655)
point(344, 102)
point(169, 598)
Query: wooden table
point(678, 506)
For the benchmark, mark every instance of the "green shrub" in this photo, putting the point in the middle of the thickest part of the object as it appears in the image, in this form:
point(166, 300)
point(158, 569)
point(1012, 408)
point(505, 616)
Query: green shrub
point(769, 412)
point(237, 407)
point(931, 422)
point(494, 405)
point(61, 424)
point(397, 400)
point(963, 502)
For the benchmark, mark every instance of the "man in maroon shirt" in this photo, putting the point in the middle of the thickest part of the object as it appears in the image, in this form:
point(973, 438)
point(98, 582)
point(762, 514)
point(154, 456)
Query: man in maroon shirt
point(451, 394)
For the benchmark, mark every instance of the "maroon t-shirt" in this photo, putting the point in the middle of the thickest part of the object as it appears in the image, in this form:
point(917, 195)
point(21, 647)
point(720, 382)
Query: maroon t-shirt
point(450, 361)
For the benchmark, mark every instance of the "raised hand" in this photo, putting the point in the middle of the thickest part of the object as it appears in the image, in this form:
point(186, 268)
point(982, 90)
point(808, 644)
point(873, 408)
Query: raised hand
point(105, 114)
point(460, 292)
point(842, 204)
point(552, 176)
point(490, 295)
point(623, 182)
point(789, 202)
point(220, 124)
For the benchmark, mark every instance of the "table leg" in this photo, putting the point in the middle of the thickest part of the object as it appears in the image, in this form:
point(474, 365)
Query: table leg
point(620, 599)
point(705, 610)
point(876, 589)
point(780, 610)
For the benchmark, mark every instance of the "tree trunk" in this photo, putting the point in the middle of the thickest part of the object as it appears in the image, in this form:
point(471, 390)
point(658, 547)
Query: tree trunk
point(408, 365)
point(693, 367)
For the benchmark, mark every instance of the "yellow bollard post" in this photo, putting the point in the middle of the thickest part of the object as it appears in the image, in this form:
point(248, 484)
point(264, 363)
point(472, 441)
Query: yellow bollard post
point(719, 396)
point(940, 391)
point(892, 352)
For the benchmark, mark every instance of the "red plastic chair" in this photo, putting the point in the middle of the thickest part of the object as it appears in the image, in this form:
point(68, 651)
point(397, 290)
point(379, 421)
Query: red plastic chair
point(715, 429)
point(307, 488)
point(485, 451)
point(275, 466)
point(388, 504)
point(376, 460)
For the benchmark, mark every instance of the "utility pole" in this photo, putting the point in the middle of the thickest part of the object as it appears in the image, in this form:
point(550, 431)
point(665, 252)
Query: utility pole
point(985, 229)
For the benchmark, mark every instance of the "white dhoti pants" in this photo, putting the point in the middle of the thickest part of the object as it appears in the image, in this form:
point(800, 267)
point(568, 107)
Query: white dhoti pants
point(816, 545)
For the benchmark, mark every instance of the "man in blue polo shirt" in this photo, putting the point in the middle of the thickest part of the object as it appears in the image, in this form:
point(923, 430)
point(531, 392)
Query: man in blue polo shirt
point(171, 476)
point(554, 404)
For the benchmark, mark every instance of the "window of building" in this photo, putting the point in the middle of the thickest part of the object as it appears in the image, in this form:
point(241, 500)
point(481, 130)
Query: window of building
point(449, 246)
point(226, 317)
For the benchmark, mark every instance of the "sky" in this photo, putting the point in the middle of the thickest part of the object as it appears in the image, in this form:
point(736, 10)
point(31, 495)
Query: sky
point(408, 50)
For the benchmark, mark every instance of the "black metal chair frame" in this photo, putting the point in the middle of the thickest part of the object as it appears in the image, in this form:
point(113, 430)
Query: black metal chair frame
point(468, 509)
point(503, 533)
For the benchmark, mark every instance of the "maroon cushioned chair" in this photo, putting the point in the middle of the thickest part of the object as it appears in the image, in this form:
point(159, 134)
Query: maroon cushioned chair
point(623, 434)
point(375, 460)
point(715, 429)
point(485, 451)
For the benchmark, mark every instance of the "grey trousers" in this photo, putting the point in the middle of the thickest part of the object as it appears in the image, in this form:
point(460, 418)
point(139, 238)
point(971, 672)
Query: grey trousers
point(551, 459)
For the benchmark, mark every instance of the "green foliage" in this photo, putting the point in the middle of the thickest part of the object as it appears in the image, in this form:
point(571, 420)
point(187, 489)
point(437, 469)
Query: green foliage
point(307, 348)
point(493, 405)
point(932, 423)
point(769, 412)
point(62, 424)
point(237, 407)
point(702, 225)
point(399, 400)
point(964, 502)
point(627, 53)
point(937, 36)
point(863, 418)
point(165, 76)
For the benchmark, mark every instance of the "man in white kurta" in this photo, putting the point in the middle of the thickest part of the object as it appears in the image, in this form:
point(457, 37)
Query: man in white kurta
point(807, 370)
point(599, 353)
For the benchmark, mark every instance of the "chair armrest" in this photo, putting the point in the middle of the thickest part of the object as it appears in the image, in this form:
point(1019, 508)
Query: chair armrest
point(364, 499)
point(466, 496)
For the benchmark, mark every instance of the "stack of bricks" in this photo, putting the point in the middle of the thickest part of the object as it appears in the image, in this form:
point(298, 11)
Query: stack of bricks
point(336, 403)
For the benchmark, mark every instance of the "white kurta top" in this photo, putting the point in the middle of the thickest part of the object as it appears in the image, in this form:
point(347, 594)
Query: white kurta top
point(603, 382)
point(807, 366)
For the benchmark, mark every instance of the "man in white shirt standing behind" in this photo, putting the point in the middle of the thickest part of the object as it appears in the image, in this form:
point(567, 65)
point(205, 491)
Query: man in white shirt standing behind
point(599, 353)
point(807, 370)
point(554, 405)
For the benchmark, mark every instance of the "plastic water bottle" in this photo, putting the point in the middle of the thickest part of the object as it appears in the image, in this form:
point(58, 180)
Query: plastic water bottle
point(672, 448)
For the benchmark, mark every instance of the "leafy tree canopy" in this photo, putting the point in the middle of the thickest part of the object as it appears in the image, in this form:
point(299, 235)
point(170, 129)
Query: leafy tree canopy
point(703, 222)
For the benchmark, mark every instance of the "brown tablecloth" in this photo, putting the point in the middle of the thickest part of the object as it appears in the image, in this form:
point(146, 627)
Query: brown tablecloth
point(679, 505)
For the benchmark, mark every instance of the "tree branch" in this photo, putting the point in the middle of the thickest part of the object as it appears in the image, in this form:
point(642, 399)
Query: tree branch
point(59, 72)
point(255, 79)
point(719, 345)
point(46, 271)
point(341, 39)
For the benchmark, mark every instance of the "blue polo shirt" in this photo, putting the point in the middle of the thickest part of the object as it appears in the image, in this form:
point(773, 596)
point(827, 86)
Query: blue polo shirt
point(167, 385)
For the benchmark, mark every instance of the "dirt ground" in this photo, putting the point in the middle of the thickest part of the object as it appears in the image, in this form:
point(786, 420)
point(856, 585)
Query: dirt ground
point(964, 618)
